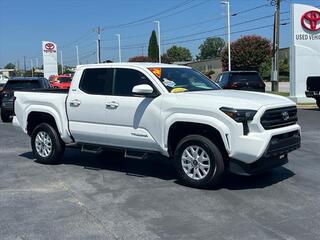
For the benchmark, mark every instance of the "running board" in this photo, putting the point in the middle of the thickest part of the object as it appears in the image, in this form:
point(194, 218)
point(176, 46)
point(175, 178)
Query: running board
point(135, 154)
point(91, 149)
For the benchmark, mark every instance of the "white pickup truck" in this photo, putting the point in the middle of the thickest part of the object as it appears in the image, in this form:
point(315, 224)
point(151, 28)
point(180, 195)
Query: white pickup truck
point(167, 109)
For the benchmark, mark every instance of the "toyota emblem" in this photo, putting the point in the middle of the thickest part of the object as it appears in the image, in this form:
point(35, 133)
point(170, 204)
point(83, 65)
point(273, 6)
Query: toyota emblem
point(285, 116)
point(49, 46)
point(311, 20)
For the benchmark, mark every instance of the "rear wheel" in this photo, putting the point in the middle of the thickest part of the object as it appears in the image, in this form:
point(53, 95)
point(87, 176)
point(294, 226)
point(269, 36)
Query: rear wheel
point(46, 144)
point(318, 102)
point(5, 117)
point(199, 161)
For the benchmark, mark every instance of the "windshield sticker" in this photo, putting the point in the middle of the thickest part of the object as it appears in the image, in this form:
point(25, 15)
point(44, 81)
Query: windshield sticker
point(178, 90)
point(168, 83)
point(156, 71)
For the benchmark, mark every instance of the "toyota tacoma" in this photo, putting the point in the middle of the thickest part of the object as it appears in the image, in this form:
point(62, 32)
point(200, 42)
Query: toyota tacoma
point(173, 110)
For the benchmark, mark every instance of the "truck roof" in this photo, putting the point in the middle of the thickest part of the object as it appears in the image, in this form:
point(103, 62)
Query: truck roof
point(133, 64)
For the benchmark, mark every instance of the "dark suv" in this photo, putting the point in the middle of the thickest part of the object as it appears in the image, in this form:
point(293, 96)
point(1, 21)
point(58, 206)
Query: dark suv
point(241, 80)
point(313, 88)
point(14, 84)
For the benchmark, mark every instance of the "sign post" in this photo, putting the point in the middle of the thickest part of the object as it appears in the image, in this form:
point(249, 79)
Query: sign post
point(304, 50)
point(50, 62)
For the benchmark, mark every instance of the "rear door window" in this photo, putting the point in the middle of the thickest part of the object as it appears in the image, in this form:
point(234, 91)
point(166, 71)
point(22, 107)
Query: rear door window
point(224, 79)
point(97, 81)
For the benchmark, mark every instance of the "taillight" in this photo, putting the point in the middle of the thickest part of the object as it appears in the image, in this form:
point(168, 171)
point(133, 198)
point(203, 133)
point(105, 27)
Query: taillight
point(232, 85)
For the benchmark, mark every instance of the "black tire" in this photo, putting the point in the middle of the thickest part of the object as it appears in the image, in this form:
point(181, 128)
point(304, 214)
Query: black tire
point(57, 145)
point(216, 169)
point(5, 117)
point(318, 102)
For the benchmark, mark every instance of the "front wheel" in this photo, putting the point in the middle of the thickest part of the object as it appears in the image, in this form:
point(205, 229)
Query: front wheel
point(46, 144)
point(318, 102)
point(199, 161)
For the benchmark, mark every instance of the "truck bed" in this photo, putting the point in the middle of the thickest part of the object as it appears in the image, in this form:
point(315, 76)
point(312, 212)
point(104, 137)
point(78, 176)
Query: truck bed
point(50, 101)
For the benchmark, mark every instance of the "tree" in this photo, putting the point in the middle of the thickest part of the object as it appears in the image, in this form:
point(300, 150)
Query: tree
point(10, 66)
point(179, 54)
point(211, 48)
point(247, 53)
point(153, 49)
point(139, 59)
point(166, 59)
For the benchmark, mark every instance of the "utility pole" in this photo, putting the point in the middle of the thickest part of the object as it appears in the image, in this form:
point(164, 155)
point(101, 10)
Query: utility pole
point(227, 3)
point(159, 40)
point(119, 45)
point(61, 62)
point(31, 65)
point(275, 50)
point(77, 52)
point(24, 64)
point(98, 45)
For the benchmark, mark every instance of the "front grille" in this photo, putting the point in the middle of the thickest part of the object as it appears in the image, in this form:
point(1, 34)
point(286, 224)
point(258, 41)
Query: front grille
point(279, 117)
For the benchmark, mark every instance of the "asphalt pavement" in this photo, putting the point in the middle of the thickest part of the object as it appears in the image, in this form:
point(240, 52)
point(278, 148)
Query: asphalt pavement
point(104, 196)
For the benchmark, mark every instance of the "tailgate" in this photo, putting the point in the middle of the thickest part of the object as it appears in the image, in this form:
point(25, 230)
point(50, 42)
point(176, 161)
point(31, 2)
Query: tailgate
point(313, 83)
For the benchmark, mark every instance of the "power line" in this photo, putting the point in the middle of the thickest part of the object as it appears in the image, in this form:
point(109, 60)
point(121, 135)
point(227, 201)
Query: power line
point(220, 28)
point(151, 16)
point(249, 10)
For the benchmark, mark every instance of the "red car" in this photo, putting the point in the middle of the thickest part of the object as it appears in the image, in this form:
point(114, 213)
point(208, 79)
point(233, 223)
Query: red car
point(60, 81)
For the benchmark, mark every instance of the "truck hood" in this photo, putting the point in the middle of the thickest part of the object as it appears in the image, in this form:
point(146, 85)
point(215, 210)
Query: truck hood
point(233, 99)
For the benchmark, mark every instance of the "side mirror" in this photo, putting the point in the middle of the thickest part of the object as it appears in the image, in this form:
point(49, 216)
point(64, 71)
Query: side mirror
point(143, 90)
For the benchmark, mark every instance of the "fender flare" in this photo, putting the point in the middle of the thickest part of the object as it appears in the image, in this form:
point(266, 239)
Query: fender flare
point(202, 119)
point(63, 131)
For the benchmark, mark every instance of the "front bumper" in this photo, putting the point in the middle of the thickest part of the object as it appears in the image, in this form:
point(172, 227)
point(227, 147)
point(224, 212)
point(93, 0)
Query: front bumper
point(313, 94)
point(275, 155)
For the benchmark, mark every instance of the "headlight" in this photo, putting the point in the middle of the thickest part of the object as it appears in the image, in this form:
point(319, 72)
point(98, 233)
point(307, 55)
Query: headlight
point(239, 115)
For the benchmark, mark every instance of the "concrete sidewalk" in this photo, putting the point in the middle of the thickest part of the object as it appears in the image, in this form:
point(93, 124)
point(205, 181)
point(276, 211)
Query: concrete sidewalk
point(283, 86)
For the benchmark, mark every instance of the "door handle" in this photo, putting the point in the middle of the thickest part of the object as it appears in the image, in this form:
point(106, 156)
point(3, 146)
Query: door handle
point(75, 103)
point(112, 105)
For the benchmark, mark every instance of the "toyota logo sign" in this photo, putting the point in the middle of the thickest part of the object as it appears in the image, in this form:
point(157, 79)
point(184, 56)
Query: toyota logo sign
point(49, 48)
point(311, 20)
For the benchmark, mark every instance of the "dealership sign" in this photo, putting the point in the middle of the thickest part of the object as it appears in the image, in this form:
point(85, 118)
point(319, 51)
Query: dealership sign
point(305, 48)
point(50, 63)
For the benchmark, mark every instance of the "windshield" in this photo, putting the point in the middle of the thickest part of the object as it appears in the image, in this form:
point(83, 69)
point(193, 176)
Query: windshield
point(64, 79)
point(183, 79)
point(21, 84)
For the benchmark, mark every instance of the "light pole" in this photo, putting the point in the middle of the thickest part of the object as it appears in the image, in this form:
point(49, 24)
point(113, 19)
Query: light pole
point(61, 62)
point(275, 51)
point(227, 3)
point(159, 41)
point(77, 52)
point(119, 46)
point(31, 64)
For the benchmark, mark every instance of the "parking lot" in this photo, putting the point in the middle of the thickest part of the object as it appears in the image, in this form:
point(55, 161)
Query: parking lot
point(107, 197)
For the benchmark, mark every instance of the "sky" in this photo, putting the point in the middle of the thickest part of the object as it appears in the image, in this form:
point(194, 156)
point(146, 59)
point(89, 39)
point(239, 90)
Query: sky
point(25, 24)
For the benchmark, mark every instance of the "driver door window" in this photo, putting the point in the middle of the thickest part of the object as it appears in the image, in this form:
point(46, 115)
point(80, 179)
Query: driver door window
point(126, 79)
